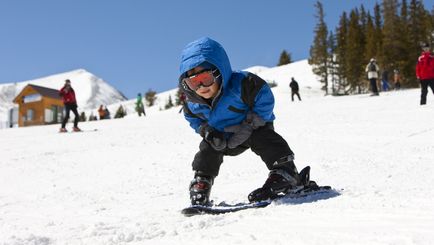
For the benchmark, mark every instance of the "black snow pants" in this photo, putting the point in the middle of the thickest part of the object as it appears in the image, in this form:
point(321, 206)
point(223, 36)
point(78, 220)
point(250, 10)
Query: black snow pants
point(424, 89)
point(68, 108)
point(264, 141)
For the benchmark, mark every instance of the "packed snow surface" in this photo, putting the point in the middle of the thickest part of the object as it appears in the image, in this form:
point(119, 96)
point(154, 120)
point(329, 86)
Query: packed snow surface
point(126, 182)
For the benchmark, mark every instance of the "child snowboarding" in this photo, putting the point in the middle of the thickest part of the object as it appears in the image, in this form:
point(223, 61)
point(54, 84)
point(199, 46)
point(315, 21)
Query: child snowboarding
point(232, 111)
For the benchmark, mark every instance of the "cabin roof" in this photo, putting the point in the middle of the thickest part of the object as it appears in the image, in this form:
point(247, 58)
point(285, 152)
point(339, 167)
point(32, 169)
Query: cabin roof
point(46, 92)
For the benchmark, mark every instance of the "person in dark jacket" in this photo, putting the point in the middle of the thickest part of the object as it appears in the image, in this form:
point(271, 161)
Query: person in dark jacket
point(232, 111)
point(385, 80)
point(294, 89)
point(425, 72)
point(68, 96)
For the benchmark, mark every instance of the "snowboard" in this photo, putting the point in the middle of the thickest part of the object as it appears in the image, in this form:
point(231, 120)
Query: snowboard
point(308, 192)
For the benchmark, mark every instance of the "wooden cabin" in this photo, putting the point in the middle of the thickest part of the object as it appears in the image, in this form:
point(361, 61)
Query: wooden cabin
point(38, 106)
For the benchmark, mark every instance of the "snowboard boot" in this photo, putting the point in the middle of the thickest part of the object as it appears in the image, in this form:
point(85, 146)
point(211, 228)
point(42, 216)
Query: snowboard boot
point(283, 177)
point(76, 129)
point(200, 189)
point(63, 130)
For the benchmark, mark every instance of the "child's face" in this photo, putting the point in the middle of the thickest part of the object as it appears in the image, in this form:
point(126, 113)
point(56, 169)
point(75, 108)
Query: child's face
point(204, 92)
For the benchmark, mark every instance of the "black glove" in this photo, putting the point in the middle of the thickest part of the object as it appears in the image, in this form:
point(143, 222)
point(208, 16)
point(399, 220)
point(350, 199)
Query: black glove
point(243, 131)
point(214, 137)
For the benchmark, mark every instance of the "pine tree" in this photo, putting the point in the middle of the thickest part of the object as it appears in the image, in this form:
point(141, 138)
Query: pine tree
point(319, 56)
point(169, 103)
point(355, 50)
point(371, 42)
point(331, 44)
point(378, 37)
point(394, 50)
point(120, 112)
point(408, 60)
point(150, 97)
point(285, 58)
point(341, 53)
point(83, 117)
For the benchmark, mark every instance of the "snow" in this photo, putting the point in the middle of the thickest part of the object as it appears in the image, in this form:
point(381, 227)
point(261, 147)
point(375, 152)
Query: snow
point(127, 182)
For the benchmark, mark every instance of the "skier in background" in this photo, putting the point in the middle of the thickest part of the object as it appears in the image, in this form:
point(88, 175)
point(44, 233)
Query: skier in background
point(232, 112)
point(294, 89)
point(425, 72)
point(68, 96)
point(385, 80)
point(140, 108)
point(396, 79)
point(101, 112)
point(372, 70)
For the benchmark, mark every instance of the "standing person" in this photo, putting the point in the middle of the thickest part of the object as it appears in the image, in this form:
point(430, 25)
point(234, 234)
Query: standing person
point(101, 112)
point(140, 108)
point(396, 79)
point(385, 80)
point(232, 111)
point(106, 113)
point(372, 70)
point(68, 96)
point(425, 72)
point(294, 89)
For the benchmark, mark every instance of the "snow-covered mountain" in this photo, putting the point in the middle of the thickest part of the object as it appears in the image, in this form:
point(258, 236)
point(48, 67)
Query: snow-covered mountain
point(127, 182)
point(91, 91)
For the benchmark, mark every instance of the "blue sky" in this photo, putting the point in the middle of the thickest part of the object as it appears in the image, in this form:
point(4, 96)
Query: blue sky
point(135, 45)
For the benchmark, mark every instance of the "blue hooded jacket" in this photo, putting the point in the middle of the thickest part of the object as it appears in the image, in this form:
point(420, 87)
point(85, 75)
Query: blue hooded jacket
point(240, 92)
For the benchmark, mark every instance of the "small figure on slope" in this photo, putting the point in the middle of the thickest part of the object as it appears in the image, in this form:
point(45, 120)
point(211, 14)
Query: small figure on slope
point(68, 96)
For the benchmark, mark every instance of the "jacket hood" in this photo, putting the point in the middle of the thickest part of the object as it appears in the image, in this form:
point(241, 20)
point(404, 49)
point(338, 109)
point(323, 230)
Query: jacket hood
point(205, 50)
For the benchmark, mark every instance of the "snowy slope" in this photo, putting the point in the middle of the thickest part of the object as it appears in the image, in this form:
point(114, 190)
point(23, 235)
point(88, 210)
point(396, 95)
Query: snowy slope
point(281, 75)
point(127, 182)
point(91, 91)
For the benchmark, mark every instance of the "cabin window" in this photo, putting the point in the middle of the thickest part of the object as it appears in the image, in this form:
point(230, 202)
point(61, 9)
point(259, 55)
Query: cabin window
point(30, 115)
point(32, 98)
point(53, 114)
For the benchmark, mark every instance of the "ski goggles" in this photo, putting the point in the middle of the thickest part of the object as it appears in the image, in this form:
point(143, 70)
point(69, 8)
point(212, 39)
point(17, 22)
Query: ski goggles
point(204, 78)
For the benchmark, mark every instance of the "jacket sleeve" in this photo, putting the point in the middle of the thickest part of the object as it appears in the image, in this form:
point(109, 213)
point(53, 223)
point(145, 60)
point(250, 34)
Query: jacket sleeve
point(256, 93)
point(264, 103)
point(194, 120)
point(62, 91)
point(417, 70)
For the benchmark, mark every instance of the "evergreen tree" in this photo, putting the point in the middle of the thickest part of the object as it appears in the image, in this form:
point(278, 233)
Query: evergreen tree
point(355, 65)
point(285, 58)
point(341, 53)
point(393, 48)
point(169, 103)
point(319, 56)
point(83, 117)
point(120, 112)
point(378, 38)
point(150, 97)
point(408, 60)
point(371, 42)
point(331, 43)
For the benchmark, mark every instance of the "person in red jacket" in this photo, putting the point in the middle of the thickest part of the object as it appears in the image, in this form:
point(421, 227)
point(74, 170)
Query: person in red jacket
point(68, 96)
point(425, 71)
